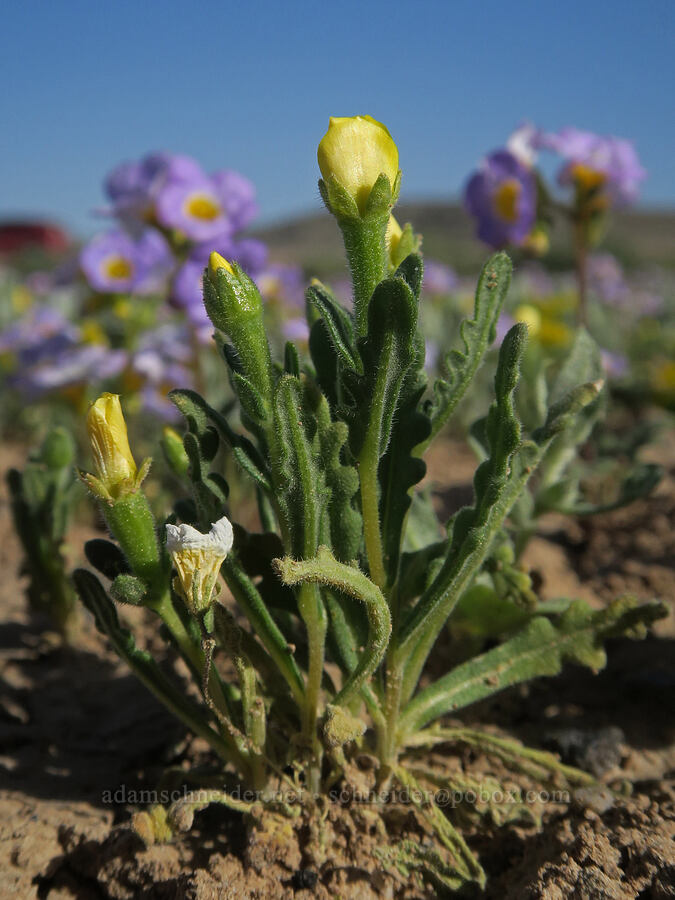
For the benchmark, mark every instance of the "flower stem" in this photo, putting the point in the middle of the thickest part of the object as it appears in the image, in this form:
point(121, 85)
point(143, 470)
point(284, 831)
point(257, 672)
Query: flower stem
point(581, 254)
point(365, 247)
point(313, 614)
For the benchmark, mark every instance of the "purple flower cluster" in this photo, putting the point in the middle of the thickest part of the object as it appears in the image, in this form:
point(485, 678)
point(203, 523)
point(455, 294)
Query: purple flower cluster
point(596, 162)
point(174, 192)
point(502, 194)
point(47, 353)
point(170, 211)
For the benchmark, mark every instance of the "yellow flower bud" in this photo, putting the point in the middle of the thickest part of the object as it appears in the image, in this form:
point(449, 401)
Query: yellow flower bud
point(116, 470)
point(198, 558)
point(216, 261)
point(393, 236)
point(355, 151)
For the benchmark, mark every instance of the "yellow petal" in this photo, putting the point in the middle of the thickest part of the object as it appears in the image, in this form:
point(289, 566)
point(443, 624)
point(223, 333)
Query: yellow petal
point(216, 261)
point(107, 432)
point(356, 150)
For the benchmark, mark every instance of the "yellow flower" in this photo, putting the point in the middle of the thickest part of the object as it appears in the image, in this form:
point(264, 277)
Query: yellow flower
point(198, 558)
point(537, 242)
point(116, 470)
point(355, 151)
point(549, 331)
point(531, 316)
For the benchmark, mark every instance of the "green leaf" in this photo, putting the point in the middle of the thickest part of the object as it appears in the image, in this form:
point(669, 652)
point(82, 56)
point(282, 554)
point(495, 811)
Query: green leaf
point(106, 557)
point(498, 483)
point(342, 482)
point(291, 359)
point(337, 321)
point(475, 526)
point(139, 661)
point(401, 468)
point(539, 649)
point(387, 353)
point(477, 334)
point(639, 482)
point(300, 484)
point(326, 362)
point(411, 270)
point(200, 416)
point(325, 570)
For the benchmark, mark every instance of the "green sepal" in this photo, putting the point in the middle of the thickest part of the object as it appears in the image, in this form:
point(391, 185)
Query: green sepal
point(408, 243)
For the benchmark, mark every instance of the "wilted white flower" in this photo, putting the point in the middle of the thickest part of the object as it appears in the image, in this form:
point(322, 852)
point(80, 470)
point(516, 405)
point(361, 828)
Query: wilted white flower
point(198, 558)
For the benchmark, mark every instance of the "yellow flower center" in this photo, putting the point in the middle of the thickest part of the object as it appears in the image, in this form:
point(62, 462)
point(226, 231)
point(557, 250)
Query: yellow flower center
point(117, 267)
point(588, 179)
point(92, 333)
point(201, 206)
point(506, 200)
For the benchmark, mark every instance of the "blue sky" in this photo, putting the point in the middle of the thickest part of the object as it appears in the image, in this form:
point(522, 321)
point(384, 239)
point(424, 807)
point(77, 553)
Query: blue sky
point(250, 86)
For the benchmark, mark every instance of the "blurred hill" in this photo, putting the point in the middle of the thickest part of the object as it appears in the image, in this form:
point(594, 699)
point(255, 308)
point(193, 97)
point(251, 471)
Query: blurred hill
point(637, 238)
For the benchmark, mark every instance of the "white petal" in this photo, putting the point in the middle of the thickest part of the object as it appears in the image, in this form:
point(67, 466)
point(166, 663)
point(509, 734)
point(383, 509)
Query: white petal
point(184, 537)
point(222, 536)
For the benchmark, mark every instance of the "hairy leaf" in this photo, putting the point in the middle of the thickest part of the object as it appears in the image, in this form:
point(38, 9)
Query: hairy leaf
point(539, 649)
point(477, 334)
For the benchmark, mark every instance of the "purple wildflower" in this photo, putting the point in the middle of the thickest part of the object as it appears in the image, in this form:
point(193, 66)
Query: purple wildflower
point(41, 327)
point(502, 196)
point(133, 186)
point(162, 361)
point(116, 263)
point(82, 364)
point(594, 162)
point(186, 292)
point(203, 208)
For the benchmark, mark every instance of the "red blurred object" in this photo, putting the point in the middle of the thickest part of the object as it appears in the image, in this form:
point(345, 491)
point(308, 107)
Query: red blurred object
point(17, 236)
